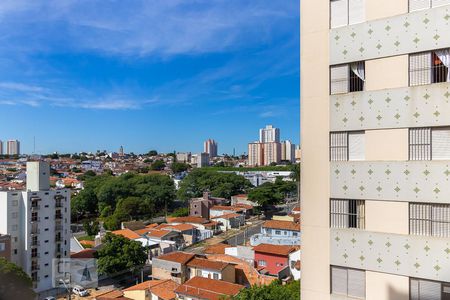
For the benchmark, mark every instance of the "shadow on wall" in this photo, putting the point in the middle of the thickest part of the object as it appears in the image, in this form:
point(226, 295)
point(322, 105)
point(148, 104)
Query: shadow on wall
point(396, 294)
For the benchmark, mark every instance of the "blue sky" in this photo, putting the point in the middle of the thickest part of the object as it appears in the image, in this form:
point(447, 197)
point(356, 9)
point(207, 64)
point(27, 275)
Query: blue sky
point(82, 75)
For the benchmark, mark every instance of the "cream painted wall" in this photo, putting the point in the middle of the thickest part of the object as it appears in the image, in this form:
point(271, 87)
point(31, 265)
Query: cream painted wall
point(315, 192)
point(388, 72)
point(387, 216)
point(382, 286)
point(386, 144)
point(377, 9)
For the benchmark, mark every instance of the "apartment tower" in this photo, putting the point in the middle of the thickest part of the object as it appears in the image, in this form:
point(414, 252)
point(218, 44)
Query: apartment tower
point(375, 134)
point(269, 134)
point(38, 222)
point(210, 147)
point(13, 147)
point(1, 147)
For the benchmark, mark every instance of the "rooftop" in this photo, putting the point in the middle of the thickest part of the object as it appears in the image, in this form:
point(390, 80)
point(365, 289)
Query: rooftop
point(196, 220)
point(129, 234)
point(224, 207)
point(203, 263)
point(178, 257)
point(228, 216)
point(216, 249)
point(283, 250)
point(286, 225)
point(206, 288)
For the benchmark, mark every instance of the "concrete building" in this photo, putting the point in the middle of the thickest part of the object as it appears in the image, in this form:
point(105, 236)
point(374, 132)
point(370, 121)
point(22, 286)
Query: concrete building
point(5, 246)
point(256, 154)
point(1, 147)
point(207, 268)
point(210, 147)
point(269, 134)
point(13, 147)
point(288, 151)
point(272, 153)
point(202, 160)
point(38, 221)
point(375, 149)
point(184, 157)
point(200, 207)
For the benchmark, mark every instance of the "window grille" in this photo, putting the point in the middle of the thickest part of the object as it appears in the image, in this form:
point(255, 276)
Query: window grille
point(347, 213)
point(429, 219)
point(426, 68)
point(420, 144)
point(338, 146)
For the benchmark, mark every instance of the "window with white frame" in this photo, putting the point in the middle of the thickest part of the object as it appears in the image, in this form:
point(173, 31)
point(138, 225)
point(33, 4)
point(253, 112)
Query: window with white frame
point(348, 282)
point(262, 263)
point(421, 289)
point(347, 145)
point(347, 78)
point(347, 213)
point(429, 143)
point(429, 67)
point(425, 4)
point(347, 12)
point(429, 219)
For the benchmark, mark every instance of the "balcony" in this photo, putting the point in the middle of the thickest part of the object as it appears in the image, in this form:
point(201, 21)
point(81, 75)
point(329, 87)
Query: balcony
point(410, 181)
point(35, 207)
point(405, 255)
point(34, 231)
point(414, 32)
point(423, 105)
point(58, 205)
point(35, 219)
point(35, 267)
point(58, 239)
point(35, 243)
point(35, 255)
point(58, 217)
point(58, 227)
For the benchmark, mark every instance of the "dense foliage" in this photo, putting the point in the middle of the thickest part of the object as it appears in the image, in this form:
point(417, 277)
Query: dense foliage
point(219, 184)
point(180, 212)
point(126, 197)
point(273, 291)
point(157, 165)
point(178, 167)
point(14, 282)
point(272, 193)
point(119, 254)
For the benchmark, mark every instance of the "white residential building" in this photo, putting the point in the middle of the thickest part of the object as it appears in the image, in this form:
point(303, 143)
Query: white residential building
point(269, 134)
point(13, 147)
point(210, 147)
point(38, 221)
point(288, 151)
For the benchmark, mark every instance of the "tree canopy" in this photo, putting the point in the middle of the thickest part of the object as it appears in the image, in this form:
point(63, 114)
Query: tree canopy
point(126, 197)
point(219, 184)
point(270, 193)
point(273, 291)
point(14, 282)
point(178, 167)
point(119, 254)
point(158, 165)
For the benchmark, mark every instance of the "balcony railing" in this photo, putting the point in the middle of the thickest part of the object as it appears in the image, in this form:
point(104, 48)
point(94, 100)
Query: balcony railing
point(34, 255)
point(35, 219)
point(35, 243)
point(58, 217)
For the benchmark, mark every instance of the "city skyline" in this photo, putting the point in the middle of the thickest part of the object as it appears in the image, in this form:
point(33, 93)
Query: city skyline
point(85, 79)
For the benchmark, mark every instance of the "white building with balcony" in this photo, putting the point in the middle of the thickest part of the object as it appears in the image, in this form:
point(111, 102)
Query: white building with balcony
point(38, 220)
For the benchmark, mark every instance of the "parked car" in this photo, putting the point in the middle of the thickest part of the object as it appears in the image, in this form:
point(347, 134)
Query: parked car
point(80, 291)
point(50, 298)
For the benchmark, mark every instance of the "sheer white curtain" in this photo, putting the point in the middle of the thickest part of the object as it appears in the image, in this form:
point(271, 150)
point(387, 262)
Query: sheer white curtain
point(358, 69)
point(444, 56)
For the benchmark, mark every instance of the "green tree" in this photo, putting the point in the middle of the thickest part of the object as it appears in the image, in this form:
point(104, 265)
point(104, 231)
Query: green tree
point(14, 282)
point(273, 291)
point(181, 212)
point(158, 165)
point(119, 254)
point(219, 184)
point(178, 167)
point(266, 195)
point(91, 227)
point(152, 153)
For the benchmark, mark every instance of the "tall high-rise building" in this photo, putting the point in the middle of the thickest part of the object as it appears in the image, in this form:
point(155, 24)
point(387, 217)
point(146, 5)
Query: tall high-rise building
point(13, 147)
point(375, 134)
point(269, 134)
point(38, 221)
point(121, 152)
point(256, 154)
point(210, 147)
point(272, 153)
point(287, 151)
point(1, 147)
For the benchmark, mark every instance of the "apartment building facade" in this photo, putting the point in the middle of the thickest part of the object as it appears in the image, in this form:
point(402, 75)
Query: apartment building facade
point(210, 147)
point(38, 222)
point(13, 147)
point(375, 134)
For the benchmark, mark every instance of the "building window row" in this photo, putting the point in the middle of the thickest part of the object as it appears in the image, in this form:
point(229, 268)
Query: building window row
point(420, 289)
point(415, 5)
point(347, 145)
point(429, 143)
point(429, 219)
point(348, 282)
point(347, 213)
point(424, 68)
point(347, 12)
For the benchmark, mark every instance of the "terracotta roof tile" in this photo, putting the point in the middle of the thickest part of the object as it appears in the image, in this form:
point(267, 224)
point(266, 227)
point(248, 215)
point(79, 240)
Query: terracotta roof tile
point(206, 288)
point(86, 253)
point(203, 263)
point(178, 256)
point(216, 249)
point(283, 250)
point(143, 285)
point(286, 225)
point(189, 219)
point(165, 290)
point(129, 234)
point(224, 207)
point(228, 216)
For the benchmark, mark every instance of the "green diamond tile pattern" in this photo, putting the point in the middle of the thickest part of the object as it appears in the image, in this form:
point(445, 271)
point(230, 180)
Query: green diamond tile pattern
point(415, 181)
point(404, 255)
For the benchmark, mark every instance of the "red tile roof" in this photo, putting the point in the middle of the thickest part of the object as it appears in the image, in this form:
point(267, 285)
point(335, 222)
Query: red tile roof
point(206, 288)
point(203, 263)
point(86, 253)
point(223, 207)
point(285, 225)
point(216, 249)
point(178, 256)
point(129, 234)
point(143, 285)
point(228, 216)
point(282, 250)
point(196, 220)
point(165, 290)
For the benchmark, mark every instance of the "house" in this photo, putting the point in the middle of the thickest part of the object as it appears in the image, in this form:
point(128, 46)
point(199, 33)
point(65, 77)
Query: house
point(218, 270)
point(229, 221)
point(277, 232)
point(152, 290)
point(171, 266)
point(242, 252)
point(242, 199)
point(271, 259)
point(206, 229)
point(220, 210)
point(199, 207)
point(131, 235)
point(189, 232)
point(200, 288)
point(295, 264)
point(216, 249)
point(112, 294)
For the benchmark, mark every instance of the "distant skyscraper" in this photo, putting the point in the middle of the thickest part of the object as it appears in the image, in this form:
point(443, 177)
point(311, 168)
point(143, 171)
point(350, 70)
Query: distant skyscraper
point(288, 151)
point(13, 147)
point(210, 147)
point(1, 148)
point(269, 134)
point(121, 151)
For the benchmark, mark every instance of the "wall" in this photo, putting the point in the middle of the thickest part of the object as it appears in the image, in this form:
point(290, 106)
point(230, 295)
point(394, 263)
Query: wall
point(389, 144)
point(314, 53)
point(136, 295)
point(387, 216)
point(376, 9)
point(386, 73)
point(386, 286)
point(271, 262)
point(229, 274)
